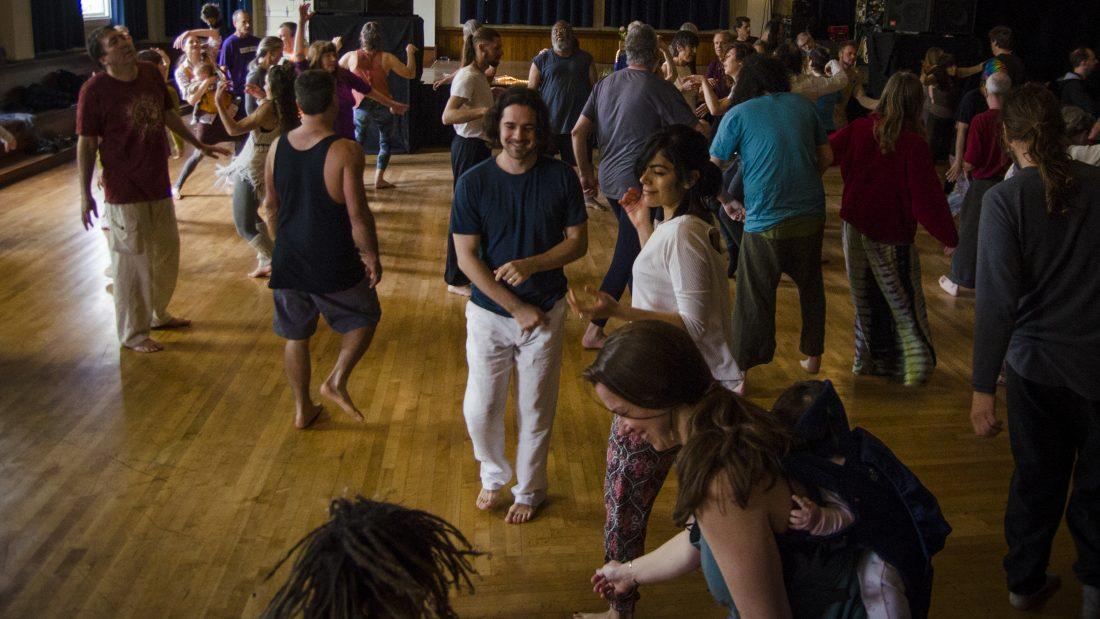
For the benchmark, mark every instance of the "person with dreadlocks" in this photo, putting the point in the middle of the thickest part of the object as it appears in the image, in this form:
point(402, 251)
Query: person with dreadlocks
point(375, 560)
point(1037, 292)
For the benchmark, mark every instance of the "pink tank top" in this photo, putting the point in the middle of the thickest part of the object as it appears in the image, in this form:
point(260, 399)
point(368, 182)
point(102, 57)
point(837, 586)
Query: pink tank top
point(369, 69)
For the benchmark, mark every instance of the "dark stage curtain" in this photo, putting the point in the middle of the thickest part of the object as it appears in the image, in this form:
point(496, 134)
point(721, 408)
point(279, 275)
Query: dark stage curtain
point(528, 12)
point(133, 15)
point(706, 14)
point(180, 15)
point(414, 128)
point(57, 25)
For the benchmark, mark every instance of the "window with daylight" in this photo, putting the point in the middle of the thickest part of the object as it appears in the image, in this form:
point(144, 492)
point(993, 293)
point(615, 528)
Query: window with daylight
point(95, 9)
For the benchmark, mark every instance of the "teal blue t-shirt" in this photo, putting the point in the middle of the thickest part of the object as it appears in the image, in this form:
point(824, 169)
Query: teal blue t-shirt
point(777, 136)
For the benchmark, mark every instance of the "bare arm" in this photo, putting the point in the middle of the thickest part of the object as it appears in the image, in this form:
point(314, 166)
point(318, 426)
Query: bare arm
point(534, 77)
point(573, 247)
point(86, 147)
point(362, 220)
point(176, 125)
point(962, 72)
point(269, 208)
point(824, 157)
point(715, 105)
point(206, 33)
point(960, 148)
point(467, 247)
point(407, 69)
point(580, 134)
point(673, 559)
point(349, 61)
point(258, 118)
point(300, 34)
point(455, 113)
point(744, 547)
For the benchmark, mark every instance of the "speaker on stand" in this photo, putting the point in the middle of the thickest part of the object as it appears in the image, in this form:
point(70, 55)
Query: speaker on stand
point(955, 17)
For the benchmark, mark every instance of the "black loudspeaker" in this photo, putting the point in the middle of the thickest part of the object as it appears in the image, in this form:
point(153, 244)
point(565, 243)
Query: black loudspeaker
point(908, 15)
point(953, 16)
point(340, 6)
point(389, 7)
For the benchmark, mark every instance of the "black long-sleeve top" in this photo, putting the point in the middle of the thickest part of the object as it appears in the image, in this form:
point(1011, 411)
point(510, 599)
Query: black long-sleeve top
point(1038, 285)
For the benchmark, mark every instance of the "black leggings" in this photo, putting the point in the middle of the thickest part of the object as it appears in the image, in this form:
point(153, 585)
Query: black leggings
point(465, 154)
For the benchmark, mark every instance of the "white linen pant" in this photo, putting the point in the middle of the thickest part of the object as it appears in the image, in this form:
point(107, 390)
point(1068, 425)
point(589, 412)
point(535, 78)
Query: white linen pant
point(494, 346)
point(145, 256)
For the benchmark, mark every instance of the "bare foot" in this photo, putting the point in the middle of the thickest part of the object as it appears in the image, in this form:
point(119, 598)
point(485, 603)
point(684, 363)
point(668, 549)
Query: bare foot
point(486, 499)
point(520, 513)
point(261, 271)
point(175, 323)
point(593, 337)
point(305, 418)
point(340, 395)
point(147, 345)
point(812, 365)
point(382, 184)
point(462, 291)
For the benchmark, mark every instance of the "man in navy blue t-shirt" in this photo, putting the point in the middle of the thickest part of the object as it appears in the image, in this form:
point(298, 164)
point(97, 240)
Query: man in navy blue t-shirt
point(518, 218)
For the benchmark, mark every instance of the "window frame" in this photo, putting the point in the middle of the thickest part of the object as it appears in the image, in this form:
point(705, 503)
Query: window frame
point(96, 17)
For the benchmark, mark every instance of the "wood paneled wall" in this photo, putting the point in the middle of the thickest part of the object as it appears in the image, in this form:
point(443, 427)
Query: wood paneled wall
point(522, 44)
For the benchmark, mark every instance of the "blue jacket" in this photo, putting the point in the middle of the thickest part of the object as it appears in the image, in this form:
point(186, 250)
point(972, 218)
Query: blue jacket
point(895, 515)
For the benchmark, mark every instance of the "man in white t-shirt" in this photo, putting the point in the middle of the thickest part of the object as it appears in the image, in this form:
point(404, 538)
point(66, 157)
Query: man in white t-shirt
point(471, 97)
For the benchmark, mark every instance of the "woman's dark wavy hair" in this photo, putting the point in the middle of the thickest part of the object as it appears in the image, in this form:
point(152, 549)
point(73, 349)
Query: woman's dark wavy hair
point(520, 95)
point(281, 77)
point(760, 75)
point(681, 40)
point(686, 149)
point(375, 560)
point(728, 436)
point(1032, 115)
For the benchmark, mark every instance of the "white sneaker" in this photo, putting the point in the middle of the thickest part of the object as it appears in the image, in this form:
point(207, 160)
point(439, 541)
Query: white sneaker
point(1034, 600)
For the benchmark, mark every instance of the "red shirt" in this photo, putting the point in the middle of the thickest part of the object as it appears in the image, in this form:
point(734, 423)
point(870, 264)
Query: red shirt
point(885, 195)
point(128, 119)
point(983, 146)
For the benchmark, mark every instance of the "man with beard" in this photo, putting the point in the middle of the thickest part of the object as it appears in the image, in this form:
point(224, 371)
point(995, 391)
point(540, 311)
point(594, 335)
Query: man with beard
point(471, 97)
point(121, 115)
point(518, 219)
point(564, 76)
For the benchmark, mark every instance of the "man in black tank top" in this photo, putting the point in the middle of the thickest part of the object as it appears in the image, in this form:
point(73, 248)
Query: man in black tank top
point(326, 258)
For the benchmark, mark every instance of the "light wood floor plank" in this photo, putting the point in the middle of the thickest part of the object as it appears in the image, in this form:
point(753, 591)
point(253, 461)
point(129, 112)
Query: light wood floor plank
point(169, 485)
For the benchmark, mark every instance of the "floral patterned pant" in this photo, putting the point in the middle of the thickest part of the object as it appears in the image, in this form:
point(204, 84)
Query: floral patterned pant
point(635, 473)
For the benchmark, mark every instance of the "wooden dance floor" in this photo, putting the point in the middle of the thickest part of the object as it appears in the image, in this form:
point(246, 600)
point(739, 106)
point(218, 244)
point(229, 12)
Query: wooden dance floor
point(170, 484)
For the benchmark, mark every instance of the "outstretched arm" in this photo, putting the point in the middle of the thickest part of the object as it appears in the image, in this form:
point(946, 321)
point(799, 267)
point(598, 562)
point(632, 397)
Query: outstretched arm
point(407, 69)
point(673, 559)
point(304, 16)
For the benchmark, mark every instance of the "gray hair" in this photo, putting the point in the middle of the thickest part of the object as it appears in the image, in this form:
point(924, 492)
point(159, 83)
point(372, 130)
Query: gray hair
point(1077, 120)
point(470, 27)
point(641, 45)
point(998, 83)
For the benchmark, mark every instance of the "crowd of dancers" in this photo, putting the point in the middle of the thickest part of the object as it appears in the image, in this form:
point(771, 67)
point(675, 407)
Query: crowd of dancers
point(710, 176)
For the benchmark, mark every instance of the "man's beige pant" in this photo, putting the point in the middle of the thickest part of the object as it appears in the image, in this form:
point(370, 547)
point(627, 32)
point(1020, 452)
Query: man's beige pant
point(145, 257)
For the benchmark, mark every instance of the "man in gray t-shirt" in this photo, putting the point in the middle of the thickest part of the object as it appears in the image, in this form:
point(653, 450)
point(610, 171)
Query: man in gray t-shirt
point(624, 110)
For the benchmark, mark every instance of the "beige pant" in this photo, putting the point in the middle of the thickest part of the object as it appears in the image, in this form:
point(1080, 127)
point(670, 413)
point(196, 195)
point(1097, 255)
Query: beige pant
point(145, 257)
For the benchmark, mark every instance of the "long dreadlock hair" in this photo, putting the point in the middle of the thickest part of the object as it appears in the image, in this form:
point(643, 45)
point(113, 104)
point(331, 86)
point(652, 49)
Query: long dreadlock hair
point(375, 560)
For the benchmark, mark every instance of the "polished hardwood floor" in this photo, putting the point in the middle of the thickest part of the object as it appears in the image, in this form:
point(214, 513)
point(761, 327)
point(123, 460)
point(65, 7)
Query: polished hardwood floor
point(170, 484)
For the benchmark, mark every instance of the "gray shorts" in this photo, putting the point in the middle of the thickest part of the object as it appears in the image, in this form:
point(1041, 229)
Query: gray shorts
point(296, 312)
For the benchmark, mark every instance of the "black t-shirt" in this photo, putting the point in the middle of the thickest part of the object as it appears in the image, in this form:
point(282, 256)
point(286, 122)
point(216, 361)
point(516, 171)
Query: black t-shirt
point(972, 104)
